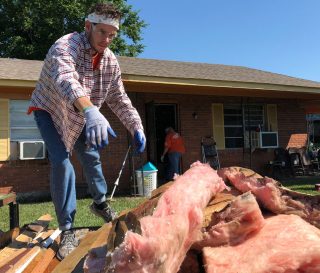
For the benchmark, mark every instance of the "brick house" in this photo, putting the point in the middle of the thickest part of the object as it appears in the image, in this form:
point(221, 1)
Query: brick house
point(231, 103)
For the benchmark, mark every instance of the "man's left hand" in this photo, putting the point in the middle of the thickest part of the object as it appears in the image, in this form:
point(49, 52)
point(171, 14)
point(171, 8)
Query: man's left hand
point(139, 141)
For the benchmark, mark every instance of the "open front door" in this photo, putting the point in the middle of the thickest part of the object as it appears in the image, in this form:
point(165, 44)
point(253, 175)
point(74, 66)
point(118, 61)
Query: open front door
point(151, 133)
point(158, 117)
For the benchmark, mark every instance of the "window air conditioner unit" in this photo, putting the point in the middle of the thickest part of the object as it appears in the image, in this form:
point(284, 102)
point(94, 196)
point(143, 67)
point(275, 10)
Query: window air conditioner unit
point(268, 140)
point(263, 139)
point(32, 150)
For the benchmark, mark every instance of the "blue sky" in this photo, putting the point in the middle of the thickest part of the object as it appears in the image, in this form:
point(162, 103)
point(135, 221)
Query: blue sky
point(280, 36)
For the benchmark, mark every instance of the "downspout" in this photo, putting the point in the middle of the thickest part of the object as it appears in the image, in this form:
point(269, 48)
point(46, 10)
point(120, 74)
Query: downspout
point(134, 184)
point(243, 130)
point(250, 137)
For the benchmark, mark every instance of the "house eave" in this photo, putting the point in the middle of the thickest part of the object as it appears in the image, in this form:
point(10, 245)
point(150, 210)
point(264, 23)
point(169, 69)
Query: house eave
point(149, 84)
point(219, 84)
point(17, 83)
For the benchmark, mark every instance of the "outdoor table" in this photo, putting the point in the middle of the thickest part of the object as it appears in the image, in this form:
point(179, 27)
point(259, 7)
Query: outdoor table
point(8, 197)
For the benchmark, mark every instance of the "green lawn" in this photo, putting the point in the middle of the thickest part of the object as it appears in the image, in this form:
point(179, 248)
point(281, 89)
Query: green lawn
point(84, 218)
point(304, 184)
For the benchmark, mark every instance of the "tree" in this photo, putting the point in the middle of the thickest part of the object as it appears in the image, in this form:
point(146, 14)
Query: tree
point(30, 27)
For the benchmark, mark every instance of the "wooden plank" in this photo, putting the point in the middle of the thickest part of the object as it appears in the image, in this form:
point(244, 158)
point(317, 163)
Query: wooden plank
point(43, 261)
point(38, 225)
point(218, 203)
point(158, 191)
point(19, 245)
point(40, 237)
point(7, 196)
point(35, 262)
point(53, 264)
point(6, 263)
point(98, 251)
point(247, 172)
point(102, 236)
point(99, 247)
point(19, 265)
point(16, 248)
point(7, 199)
point(33, 250)
point(8, 237)
point(5, 190)
point(48, 260)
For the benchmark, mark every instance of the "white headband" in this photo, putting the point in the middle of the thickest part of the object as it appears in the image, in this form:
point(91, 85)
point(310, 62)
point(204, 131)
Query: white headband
point(101, 19)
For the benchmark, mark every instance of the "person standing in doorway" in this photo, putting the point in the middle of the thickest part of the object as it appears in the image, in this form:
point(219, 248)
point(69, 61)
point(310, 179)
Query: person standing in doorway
point(79, 74)
point(174, 148)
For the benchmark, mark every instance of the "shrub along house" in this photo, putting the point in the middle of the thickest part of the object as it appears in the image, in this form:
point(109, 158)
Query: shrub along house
point(249, 112)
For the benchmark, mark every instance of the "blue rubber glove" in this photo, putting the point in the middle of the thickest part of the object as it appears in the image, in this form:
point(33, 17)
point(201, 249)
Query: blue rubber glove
point(97, 128)
point(139, 141)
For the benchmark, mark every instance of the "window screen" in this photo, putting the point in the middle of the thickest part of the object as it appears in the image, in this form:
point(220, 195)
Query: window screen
point(237, 116)
point(22, 125)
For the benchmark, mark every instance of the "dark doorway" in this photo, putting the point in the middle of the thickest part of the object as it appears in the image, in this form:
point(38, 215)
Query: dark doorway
point(159, 117)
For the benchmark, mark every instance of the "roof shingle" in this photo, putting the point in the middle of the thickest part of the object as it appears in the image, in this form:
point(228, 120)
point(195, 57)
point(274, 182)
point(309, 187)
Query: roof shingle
point(29, 70)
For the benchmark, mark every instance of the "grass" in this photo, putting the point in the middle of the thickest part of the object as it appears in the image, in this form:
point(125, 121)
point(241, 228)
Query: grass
point(304, 184)
point(29, 212)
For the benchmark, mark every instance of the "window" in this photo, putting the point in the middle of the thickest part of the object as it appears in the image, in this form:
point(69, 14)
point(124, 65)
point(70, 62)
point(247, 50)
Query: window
point(314, 130)
point(233, 126)
point(22, 126)
point(239, 121)
point(254, 117)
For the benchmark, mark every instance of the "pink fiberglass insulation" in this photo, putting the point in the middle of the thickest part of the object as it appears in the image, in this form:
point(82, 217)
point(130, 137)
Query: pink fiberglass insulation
point(286, 244)
point(275, 198)
point(175, 225)
point(265, 189)
point(232, 226)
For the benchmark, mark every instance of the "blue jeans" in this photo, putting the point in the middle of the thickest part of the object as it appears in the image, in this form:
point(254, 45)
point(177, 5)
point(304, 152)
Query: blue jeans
point(62, 174)
point(174, 164)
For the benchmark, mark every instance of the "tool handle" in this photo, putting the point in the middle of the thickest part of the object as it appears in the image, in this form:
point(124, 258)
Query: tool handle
point(52, 237)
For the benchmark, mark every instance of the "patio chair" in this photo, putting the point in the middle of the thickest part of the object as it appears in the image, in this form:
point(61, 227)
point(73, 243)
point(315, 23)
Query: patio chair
point(300, 161)
point(209, 152)
point(297, 166)
point(280, 166)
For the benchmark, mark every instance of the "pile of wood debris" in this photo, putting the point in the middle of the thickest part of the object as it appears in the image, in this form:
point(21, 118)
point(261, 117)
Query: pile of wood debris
point(26, 253)
point(33, 247)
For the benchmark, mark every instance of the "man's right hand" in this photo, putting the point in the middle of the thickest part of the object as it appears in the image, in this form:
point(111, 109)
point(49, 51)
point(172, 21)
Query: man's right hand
point(97, 128)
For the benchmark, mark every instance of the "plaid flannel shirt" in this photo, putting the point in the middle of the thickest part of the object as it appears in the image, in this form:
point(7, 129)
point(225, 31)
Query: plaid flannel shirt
point(67, 75)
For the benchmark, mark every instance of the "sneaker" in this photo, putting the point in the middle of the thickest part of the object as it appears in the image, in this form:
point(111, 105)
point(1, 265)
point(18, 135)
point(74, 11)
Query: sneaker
point(67, 244)
point(104, 211)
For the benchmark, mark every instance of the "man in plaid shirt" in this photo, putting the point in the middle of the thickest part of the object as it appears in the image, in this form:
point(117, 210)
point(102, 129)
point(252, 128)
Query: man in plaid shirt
point(79, 73)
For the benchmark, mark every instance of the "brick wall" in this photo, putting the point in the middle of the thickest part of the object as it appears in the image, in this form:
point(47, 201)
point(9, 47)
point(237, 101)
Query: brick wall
point(24, 176)
point(33, 175)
